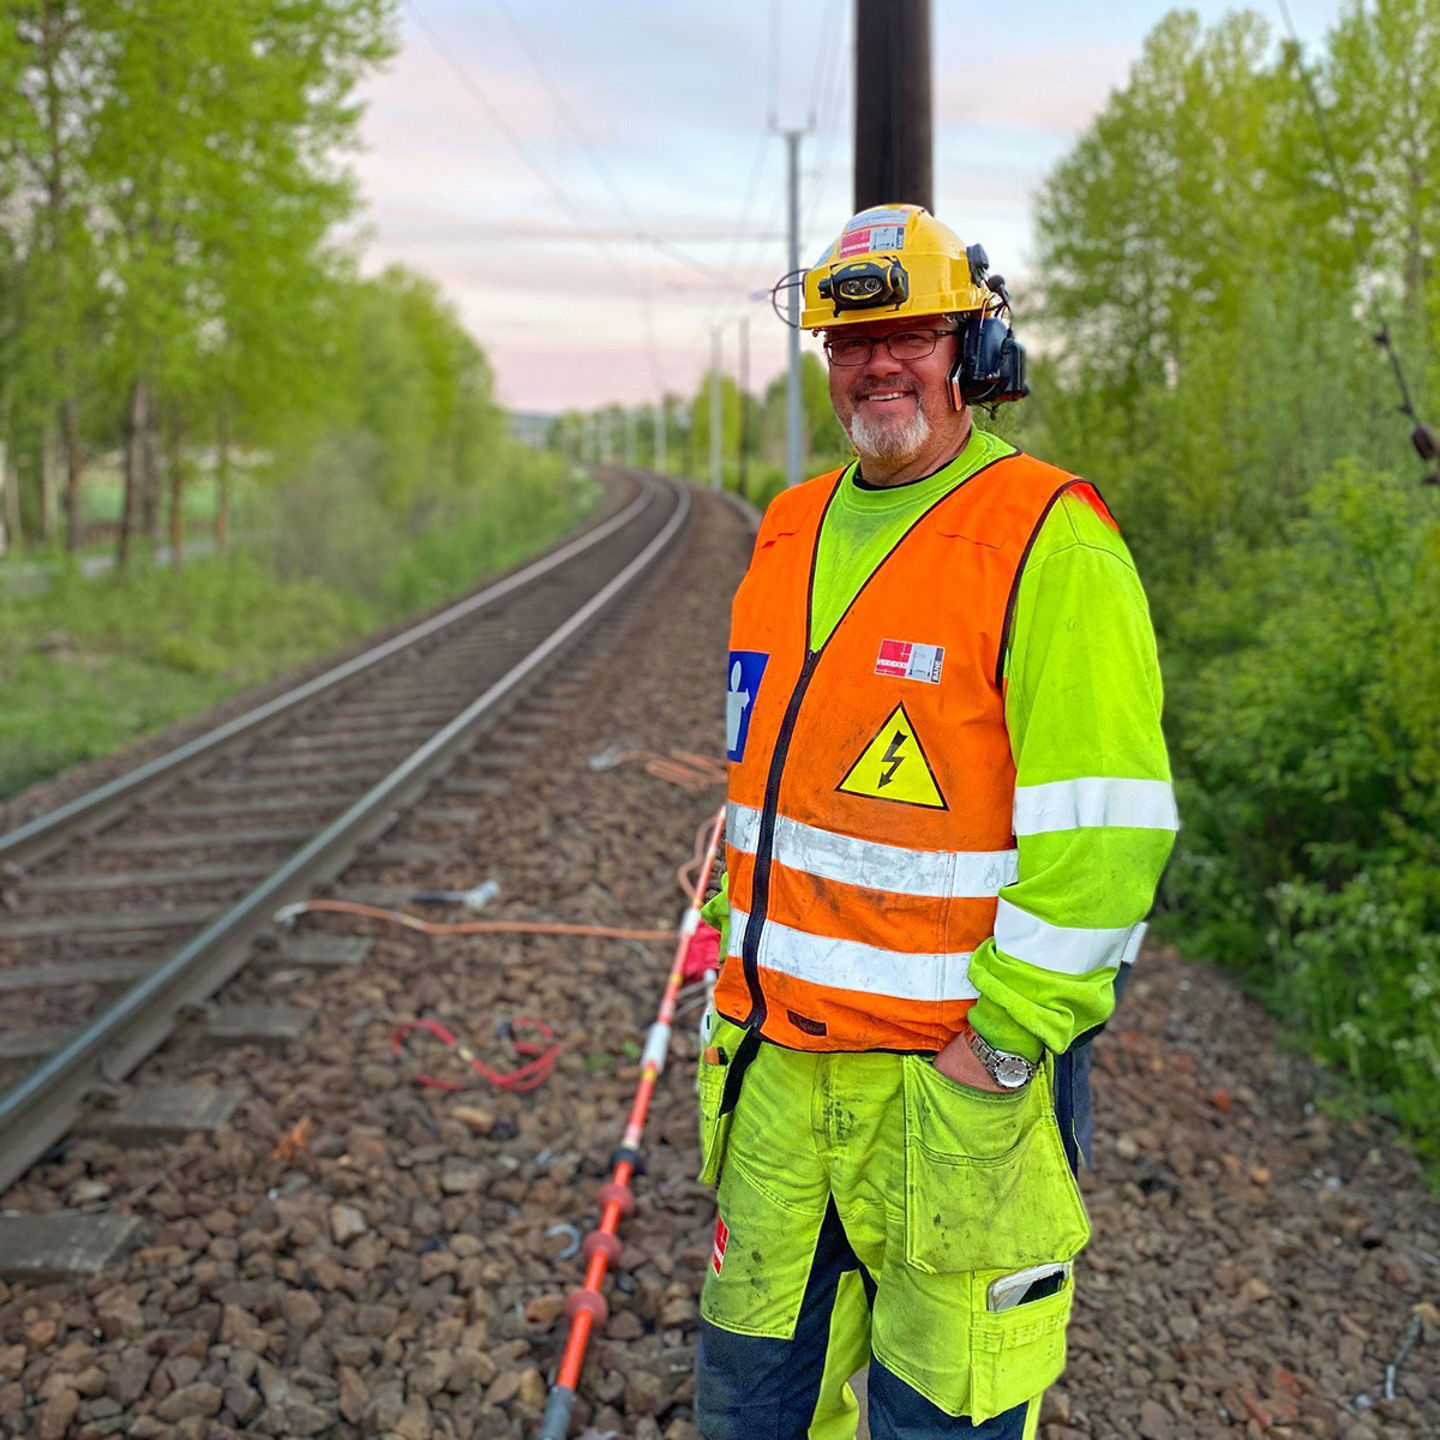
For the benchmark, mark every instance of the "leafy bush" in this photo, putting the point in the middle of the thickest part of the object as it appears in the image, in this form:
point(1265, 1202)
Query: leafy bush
point(1304, 683)
point(1210, 367)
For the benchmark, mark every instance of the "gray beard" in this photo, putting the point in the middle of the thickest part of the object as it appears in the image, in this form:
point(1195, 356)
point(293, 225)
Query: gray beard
point(888, 442)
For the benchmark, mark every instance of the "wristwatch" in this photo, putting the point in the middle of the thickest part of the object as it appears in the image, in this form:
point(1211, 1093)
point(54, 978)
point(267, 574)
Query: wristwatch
point(1010, 1072)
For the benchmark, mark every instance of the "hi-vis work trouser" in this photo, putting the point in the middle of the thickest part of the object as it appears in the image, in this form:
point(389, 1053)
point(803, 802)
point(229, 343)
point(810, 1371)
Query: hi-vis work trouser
point(866, 1205)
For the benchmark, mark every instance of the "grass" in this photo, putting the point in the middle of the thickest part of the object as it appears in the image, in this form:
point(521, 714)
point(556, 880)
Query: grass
point(88, 666)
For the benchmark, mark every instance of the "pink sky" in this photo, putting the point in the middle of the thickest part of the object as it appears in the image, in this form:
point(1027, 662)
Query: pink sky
point(647, 116)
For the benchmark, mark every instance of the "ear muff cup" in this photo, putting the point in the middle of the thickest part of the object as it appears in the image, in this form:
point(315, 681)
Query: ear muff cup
point(989, 363)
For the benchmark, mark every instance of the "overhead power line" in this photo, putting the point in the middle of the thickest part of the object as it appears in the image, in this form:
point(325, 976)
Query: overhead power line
point(640, 290)
point(549, 234)
point(643, 232)
point(496, 114)
point(830, 104)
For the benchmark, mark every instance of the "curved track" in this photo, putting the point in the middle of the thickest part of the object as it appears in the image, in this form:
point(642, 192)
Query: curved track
point(131, 905)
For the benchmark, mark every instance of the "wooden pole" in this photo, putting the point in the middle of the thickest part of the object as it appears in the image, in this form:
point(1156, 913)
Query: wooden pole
point(894, 159)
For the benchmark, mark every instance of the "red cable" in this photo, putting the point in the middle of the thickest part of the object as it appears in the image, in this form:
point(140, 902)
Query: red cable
point(520, 1081)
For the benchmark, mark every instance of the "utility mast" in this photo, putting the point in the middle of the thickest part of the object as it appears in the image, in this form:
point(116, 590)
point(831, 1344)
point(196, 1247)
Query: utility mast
point(794, 421)
point(744, 407)
point(893, 109)
point(717, 479)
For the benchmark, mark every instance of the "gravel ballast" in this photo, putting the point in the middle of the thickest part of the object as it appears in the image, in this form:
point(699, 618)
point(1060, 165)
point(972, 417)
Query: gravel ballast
point(402, 1270)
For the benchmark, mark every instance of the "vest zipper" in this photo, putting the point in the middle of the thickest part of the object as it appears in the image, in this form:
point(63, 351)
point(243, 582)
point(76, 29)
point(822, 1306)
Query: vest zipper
point(765, 843)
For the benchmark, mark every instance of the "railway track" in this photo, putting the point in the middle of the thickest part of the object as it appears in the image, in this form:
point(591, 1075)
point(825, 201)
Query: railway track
point(128, 907)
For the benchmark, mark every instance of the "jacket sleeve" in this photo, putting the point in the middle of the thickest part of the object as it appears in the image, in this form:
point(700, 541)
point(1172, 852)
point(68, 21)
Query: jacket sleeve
point(716, 912)
point(1094, 810)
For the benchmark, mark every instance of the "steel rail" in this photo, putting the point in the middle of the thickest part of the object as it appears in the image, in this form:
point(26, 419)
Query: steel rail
point(42, 836)
point(42, 1107)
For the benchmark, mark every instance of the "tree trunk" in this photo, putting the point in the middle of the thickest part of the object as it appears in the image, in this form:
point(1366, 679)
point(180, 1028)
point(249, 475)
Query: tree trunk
point(222, 478)
point(137, 421)
point(10, 483)
point(150, 476)
point(177, 499)
point(49, 482)
point(4, 499)
point(74, 498)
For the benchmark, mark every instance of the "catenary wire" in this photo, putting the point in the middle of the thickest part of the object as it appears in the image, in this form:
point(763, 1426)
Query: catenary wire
point(834, 112)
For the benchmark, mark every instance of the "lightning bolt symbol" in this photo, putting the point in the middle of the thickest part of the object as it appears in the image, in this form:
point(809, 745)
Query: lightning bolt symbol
point(892, 757)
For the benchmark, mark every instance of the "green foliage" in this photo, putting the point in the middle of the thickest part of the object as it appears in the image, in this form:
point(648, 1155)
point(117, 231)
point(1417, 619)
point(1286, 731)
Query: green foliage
point(170, 177)
point(1205, 367)
point(88, 665)
point(754, 424)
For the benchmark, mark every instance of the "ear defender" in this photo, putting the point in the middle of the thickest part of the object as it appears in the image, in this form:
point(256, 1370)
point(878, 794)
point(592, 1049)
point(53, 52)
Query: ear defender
point(989, 362)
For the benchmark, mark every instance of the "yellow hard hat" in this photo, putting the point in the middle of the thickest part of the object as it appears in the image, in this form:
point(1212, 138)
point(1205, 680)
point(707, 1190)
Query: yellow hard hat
point(894, 260)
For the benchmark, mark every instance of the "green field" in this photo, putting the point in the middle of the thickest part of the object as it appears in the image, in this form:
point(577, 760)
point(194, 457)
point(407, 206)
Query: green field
point(90, 665)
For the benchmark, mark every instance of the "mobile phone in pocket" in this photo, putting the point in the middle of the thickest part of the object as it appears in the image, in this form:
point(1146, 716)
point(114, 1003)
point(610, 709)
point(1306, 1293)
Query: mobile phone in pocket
point(1034, 1283)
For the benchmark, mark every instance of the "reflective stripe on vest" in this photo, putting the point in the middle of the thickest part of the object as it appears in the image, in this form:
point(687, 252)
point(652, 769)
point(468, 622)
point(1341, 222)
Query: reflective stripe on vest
point(848, 965)
point(855, 909)
point(977, 874)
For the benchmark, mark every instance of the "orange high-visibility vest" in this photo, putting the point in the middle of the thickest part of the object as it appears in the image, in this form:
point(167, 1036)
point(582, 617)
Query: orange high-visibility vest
point(871, 781)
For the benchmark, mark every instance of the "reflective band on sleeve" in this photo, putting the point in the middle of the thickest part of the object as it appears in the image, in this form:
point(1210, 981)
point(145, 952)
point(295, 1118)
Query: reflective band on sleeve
point(1132, 949)
point(1058, 947)
point(851, 965)
point(1095, 801)
point(969, 874)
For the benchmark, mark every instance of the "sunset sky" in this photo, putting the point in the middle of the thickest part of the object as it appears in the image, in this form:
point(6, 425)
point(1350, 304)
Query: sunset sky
point(517, 151)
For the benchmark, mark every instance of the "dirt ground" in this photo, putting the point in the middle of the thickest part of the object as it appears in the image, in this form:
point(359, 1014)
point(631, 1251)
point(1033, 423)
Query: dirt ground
point(1256, 1267)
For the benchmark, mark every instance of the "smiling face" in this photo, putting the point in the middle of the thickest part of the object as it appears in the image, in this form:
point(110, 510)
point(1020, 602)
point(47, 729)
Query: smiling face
point(897, 412)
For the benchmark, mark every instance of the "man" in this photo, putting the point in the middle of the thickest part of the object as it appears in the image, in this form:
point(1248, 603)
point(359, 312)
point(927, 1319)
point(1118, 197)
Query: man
point(949, 808)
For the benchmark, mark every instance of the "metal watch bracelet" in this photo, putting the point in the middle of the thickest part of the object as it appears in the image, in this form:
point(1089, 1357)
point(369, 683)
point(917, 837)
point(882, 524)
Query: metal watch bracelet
point(1010, 1072)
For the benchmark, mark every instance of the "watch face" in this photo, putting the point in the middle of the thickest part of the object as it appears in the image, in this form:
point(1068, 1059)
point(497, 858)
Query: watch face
point(1012, 1072)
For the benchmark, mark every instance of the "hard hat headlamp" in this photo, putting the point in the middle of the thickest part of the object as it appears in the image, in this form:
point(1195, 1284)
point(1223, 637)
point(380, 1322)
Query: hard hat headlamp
point(865, 285)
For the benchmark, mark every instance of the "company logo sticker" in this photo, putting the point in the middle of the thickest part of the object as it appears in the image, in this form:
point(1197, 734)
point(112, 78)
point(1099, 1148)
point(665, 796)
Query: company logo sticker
point(747, 667)
point(909, 660)
point(722, 1238)
point(876, 237)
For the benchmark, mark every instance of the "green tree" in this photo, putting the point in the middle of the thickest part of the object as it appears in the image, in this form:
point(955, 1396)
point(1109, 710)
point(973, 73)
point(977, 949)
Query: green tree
point(53, 56)
point(211, 186)
point(1209, 365)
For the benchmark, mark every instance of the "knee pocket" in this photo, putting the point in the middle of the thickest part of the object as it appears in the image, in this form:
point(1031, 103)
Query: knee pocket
point(756, 1285)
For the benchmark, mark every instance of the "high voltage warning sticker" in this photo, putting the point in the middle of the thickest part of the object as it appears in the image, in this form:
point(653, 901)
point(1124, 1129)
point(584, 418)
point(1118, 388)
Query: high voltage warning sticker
point(893, 766)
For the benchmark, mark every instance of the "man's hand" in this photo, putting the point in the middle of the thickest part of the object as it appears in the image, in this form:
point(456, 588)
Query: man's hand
point(958, 1062)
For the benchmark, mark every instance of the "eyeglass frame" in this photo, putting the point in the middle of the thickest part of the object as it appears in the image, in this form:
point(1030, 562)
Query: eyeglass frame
point(875, 340)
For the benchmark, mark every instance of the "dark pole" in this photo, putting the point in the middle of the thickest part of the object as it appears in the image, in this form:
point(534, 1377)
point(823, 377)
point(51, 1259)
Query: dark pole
point(893, 149)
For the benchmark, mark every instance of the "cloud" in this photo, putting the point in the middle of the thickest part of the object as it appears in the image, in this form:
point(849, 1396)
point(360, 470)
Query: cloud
point(674, 101)
point(1053, 90)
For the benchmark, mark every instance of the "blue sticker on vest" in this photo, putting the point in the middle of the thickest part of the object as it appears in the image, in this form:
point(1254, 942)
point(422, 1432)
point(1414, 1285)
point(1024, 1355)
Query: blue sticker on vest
point(746, 668)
